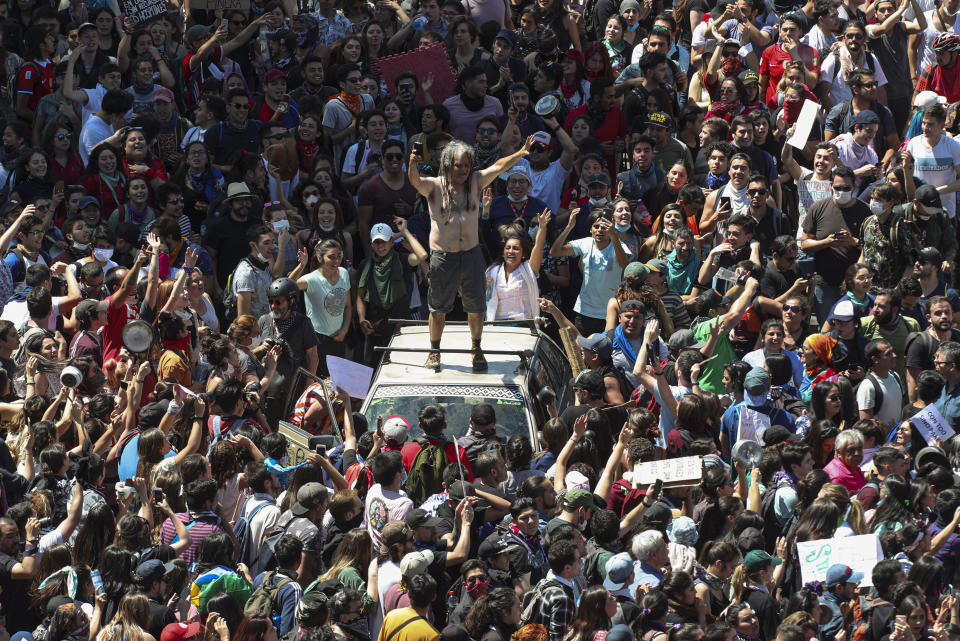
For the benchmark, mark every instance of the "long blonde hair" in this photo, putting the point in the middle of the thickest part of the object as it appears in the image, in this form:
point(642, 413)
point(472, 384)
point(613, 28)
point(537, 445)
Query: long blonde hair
point(849, 507)
point(353, 552)
point(131, 620)
point(741, 576)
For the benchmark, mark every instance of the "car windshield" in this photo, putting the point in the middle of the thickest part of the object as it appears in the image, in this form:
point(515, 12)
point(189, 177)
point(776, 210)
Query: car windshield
point(458, 400)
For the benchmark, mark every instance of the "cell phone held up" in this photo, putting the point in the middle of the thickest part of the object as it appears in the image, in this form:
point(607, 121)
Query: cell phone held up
point(418, 149)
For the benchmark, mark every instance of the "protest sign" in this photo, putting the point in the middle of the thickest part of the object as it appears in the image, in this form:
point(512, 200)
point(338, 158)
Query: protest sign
point(353, 378)
point(675, 472)
point(930, 423)
point(143, 10)
point(752, 425)
point(225, 5)
point(808, 116)
point(859, 552)
point(433, 58)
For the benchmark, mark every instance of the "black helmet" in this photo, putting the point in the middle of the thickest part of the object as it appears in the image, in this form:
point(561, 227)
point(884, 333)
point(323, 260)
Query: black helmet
point(286, 287)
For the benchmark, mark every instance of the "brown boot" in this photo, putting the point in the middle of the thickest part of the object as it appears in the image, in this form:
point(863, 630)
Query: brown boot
point(433, 361)
point(479, 361)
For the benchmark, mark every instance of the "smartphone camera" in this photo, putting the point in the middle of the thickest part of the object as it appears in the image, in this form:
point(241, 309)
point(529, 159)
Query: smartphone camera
point(418, 149)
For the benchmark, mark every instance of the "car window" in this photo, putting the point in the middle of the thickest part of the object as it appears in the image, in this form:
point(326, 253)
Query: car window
point(458, 400)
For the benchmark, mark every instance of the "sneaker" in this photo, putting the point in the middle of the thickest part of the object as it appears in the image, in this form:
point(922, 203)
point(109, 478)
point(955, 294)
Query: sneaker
point(479, 362)
point(433, 361)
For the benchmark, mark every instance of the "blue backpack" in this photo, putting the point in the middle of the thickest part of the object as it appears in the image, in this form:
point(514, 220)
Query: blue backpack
point(241, 530)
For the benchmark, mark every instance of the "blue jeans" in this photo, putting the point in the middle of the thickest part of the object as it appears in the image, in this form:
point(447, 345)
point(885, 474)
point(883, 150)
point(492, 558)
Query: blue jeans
point(825, 297)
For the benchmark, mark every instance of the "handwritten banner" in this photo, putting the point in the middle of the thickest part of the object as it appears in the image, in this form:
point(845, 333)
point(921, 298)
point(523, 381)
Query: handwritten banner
point(143, 10)
point(687, 470)
point(352, 377)
point(931, 424)
point(431, 58)
point(859, 552)
point(225, 5)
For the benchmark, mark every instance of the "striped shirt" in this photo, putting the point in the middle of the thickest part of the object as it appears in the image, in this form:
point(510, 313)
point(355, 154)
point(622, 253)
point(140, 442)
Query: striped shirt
point(201, 525)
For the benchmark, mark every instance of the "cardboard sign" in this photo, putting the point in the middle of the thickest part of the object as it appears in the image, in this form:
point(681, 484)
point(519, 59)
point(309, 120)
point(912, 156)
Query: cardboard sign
point(930, 423)
point(752, 425)
point(226, 5)
point(432, 58)
point(859, 552)
point(353, 378)
point(298, 442)
point(676, 472)
point(143, 10)
point(808, 116)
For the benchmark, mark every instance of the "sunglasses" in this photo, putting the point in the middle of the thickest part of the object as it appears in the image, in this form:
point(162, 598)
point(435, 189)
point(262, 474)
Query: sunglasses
point(393, 156)
point(854, 36)
point(757, 192)
point(539, 148)
point(64, 136)
point(796, 309)
point(240, 105)
point(487, 131)
point(842, 188)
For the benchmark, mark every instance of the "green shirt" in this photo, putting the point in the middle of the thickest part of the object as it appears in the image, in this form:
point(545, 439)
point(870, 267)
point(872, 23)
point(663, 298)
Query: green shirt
point(711, 374)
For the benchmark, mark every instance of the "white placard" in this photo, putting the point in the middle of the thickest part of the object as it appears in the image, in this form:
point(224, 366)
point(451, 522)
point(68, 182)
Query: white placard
point(808, 116)
point(859, 552)
point(687, 468)
point(752, 425)
point(930, 423)
point(354, 378)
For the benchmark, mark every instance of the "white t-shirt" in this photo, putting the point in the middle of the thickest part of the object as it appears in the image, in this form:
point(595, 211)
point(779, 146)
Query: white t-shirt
point(94, 131)
point(16, 312)
point(94, 100)
point(547, 185)
point(382, 506)
point(892, 399)
point(839, 91)
point(937, 166)
point(325, 302)
point(817, 39)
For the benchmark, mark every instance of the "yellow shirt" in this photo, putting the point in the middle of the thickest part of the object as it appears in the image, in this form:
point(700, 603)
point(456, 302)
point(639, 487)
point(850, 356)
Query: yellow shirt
point(419, 630)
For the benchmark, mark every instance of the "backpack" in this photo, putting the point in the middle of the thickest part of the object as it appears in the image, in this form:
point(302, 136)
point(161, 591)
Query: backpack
point(266, 560)
point(591, 20)
point(862, 613)
point(229, 296)
point(426, 472)
point(264, 599)
point(241, 530)
point(12, 84)
point(878, 389)
point(925, 338)
point(532, 599)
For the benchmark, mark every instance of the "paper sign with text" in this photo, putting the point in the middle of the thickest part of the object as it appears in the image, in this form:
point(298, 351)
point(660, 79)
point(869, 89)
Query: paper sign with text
point(352, 377)
point(859, 552)
point(225, 5)
point(143, 10)
point(808, 116)
point(752, 425)
point(675, 471)
point(930, 423)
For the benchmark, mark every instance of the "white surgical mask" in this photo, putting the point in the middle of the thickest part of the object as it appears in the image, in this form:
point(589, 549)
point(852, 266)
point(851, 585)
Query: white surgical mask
point(596, 202)
point(924, 213)
point(876, 206)
point(311, 200)
point(262, 258)
point(842, 197)
point(80, 247)
point(255, 341)
point(516, 200)
point(281, 225)
point(102, 255)
point(327, 227)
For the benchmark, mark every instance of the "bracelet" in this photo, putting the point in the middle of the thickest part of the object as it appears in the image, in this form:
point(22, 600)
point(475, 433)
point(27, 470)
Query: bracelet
point(189, 270)
point(198, 418)
point(140, 380)
point(30, 383)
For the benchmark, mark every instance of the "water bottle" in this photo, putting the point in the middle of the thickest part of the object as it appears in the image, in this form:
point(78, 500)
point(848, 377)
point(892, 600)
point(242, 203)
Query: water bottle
point(451, 602)
point(420, 23)
point(728, 275)
point(97, 581)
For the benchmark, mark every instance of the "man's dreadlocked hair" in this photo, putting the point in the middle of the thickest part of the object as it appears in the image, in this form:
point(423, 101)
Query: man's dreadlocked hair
point(450, 152)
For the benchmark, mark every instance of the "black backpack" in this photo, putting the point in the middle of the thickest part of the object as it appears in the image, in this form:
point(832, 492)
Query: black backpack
point(266, 560)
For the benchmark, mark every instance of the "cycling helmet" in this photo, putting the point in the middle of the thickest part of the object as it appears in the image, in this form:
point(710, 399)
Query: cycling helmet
point(286, 287)
point(946, 41)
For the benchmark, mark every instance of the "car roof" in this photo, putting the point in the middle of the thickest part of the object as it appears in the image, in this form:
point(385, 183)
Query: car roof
point(407, 367)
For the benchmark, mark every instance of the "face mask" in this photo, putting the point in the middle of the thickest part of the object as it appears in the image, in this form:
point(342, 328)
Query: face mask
point(876, 206)
point(730, 66)
point(102, 255)
point(477, 587)
point(499, 576)
point(633, 27)
point(622, 228)
point(327, 227)
point(255, 342)
point(311, 200)
point(80, 247)
point(281, 225)
point(516, 200)
point(842, 197)
point(597, 202)
point(262, 258)
point(358, 628)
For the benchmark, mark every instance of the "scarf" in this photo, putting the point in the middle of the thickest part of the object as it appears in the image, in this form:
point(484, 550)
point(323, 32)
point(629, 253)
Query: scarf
point(137, 217)
point(471, 103)
point(716, 182)
point(862, 303)
point(483, 158)
point(785, 478)
point(621, 342)
point(181, 344)
point(353, 103)
point(726, 110)
point(681, 276)
point(711, 581)
point(206, 183)
point(170, 125)
point(308, 151)
point(891, 327)
point(822, 345)
point(532, 542)
point(112, 183)
point(568, 89)
point(309, 37)
point(382, 277)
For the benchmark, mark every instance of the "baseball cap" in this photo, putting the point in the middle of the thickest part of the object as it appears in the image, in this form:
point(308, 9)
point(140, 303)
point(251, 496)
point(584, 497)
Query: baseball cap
point(381, 231)
point(659, 119)
point(86, 201)
point(273, 74)
point(732, 42)
point(843, 311)
point(128, 232)
point(600, 344)
point(658, 513)
point(633, 305)
point(195, 32)
point(577, 498)
point(396, 429)
point(929, 198)
point(543, 138)
point(491, 547)
point(163, 94)
point(776, 434)
point(683, 530)
point(755, 386)
point(180, 631)
point(930, 255)
point(149, 571)
point(415, 563)
point(308, 497)
point(923, 99)
point(657, 265)
point(395, 533)
point(758, 559)
point(750, 539)
point(749, 76)
point(684, 339)
point(839, 573)
point(866, 117)
point(458, 490)
point(508, 35)
point(90, 308)
point(617, 571)
point(89, 25)
point(590, 381)
point(601, 177)
point(420, 518)
point(636, 269)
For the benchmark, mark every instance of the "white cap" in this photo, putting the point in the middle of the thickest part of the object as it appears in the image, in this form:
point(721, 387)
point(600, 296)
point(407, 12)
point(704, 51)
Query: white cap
point(927, 98)
point(381, 231)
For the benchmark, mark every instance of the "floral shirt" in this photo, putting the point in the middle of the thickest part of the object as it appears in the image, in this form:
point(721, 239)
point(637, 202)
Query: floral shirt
point(331, 31)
